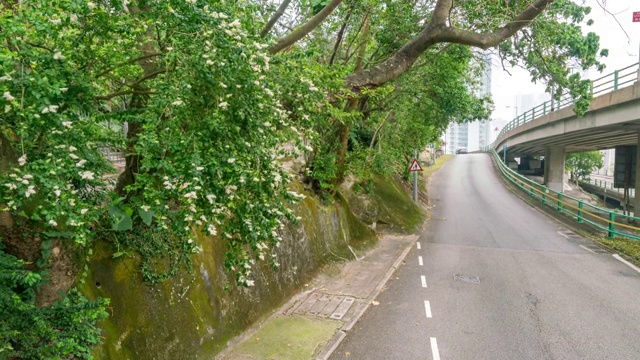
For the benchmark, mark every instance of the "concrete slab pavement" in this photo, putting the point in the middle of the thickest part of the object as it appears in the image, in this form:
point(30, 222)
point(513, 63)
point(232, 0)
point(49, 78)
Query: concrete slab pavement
point(313, 322)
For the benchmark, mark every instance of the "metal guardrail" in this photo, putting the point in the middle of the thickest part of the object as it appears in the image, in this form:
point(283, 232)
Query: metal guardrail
point(584, 213)
point(610, 82)
point(609, 186)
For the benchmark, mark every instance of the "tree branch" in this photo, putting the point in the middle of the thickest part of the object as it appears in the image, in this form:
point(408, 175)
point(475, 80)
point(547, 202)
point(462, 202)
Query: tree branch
point(131, 61)
point(435, 32)
point(340, 35)
point(147, 77)
point(355, 37)
point(363, 45)
point(441, 12)
point(485, 41)
point(375, 134)
point(306, 28)
point(274, 19)
point(398, 63)
point(120, 93)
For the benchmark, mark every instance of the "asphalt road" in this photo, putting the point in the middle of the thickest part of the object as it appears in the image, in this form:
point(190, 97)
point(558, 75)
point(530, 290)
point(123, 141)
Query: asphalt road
point(539, 295)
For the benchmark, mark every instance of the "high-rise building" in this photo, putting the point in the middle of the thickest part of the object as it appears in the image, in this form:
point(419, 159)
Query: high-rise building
point(456, 136)
point(484, 128)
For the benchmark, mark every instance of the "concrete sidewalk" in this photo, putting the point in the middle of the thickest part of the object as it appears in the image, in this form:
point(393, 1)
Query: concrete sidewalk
point(313, 323)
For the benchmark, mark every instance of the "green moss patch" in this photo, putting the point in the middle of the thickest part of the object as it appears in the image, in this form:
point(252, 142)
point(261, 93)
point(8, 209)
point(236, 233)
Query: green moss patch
point(287, 338)
point(359, 233)
point(396, 209)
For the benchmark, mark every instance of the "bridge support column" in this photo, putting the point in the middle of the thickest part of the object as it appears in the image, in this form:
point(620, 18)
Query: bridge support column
point(554, 168)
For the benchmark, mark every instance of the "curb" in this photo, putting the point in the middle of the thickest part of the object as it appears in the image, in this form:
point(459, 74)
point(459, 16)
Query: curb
point(339, 336)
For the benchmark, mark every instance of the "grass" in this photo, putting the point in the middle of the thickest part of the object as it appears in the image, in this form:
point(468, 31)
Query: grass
point(628, 248)
point(429, 170)
point(287, 338)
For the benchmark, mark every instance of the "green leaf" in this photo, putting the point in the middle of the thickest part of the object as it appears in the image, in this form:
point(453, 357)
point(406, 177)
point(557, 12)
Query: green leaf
point(121, 221)
point(146, 216)
point(123, 224)
point(115, 211)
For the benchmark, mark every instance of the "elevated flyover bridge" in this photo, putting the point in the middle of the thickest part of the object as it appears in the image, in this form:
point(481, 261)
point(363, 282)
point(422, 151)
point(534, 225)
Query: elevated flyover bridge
point(552, 129)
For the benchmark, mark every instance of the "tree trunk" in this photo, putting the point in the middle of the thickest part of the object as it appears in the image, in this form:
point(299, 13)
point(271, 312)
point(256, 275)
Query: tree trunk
point(139, 100)
point(132, 160)
point(343, 141)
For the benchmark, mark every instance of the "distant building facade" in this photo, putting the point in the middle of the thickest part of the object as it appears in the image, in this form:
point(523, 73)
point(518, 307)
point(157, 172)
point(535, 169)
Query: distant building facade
point(484, 128)
point(456, 136)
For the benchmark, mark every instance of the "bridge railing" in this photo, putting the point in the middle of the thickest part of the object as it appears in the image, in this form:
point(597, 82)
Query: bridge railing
point(607, 185)
point(611, 222)
point(611, 82)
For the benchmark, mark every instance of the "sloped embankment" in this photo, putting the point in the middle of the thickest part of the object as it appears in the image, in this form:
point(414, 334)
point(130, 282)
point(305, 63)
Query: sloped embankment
point(187, 317)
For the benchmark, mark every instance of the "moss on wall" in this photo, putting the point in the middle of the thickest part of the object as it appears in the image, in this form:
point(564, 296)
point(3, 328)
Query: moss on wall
point(192, 315)
point(388, 206)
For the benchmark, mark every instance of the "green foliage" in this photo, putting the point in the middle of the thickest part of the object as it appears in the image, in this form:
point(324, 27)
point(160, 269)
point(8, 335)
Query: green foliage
point(554, 49)
point(314, 5)
point(64, 330)
point(205, 116)
point(581, 165)
point(423, 103)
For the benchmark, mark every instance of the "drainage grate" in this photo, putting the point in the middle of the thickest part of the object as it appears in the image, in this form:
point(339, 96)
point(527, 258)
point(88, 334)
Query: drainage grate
point(466, 278)
point(325, 306)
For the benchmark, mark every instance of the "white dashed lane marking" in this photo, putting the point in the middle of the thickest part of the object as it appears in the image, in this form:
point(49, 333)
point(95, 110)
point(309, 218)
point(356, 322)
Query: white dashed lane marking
point(434, 349)
point(427, 309)
point(420, 260)
point(418, 245)
point(424, 281)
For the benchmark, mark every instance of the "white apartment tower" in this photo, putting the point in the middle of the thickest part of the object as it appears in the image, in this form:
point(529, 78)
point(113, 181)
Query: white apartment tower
point(484, 133)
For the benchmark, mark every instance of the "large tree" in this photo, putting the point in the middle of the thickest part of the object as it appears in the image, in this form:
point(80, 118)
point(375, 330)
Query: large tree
point(377, 42)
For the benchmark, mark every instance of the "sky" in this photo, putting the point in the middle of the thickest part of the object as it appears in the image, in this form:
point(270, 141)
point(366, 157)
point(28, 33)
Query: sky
point(517, 89)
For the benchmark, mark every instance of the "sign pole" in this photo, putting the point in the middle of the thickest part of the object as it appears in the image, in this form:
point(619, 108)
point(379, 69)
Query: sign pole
point(414, 168)
point(415, 180)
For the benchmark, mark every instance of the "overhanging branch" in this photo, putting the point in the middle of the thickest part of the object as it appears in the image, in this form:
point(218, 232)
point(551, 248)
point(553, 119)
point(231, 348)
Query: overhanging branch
point(485, 41)
point(274, 19)
point(436, 31)
point(306, 28)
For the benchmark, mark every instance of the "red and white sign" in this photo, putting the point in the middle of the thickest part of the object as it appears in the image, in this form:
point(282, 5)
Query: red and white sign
point(636, 16)
point(415, 166)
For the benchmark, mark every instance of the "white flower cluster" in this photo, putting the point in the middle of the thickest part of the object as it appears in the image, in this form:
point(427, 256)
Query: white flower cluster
point(22, 160)
point(50, 109)
point(312, 87)
point(87, 175)
point(7, 96)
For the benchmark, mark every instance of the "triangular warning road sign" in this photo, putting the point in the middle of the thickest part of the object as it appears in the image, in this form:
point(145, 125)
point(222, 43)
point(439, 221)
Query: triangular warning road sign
point(415, 166)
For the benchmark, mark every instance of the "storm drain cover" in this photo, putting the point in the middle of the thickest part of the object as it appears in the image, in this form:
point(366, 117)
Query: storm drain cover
point(466, 278)
point(325, 306)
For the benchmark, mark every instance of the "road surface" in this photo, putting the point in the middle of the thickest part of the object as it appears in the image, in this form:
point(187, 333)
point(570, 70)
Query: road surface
point(492, 278)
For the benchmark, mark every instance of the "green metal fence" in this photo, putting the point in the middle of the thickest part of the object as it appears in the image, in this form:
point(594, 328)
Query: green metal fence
point(610, 222)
